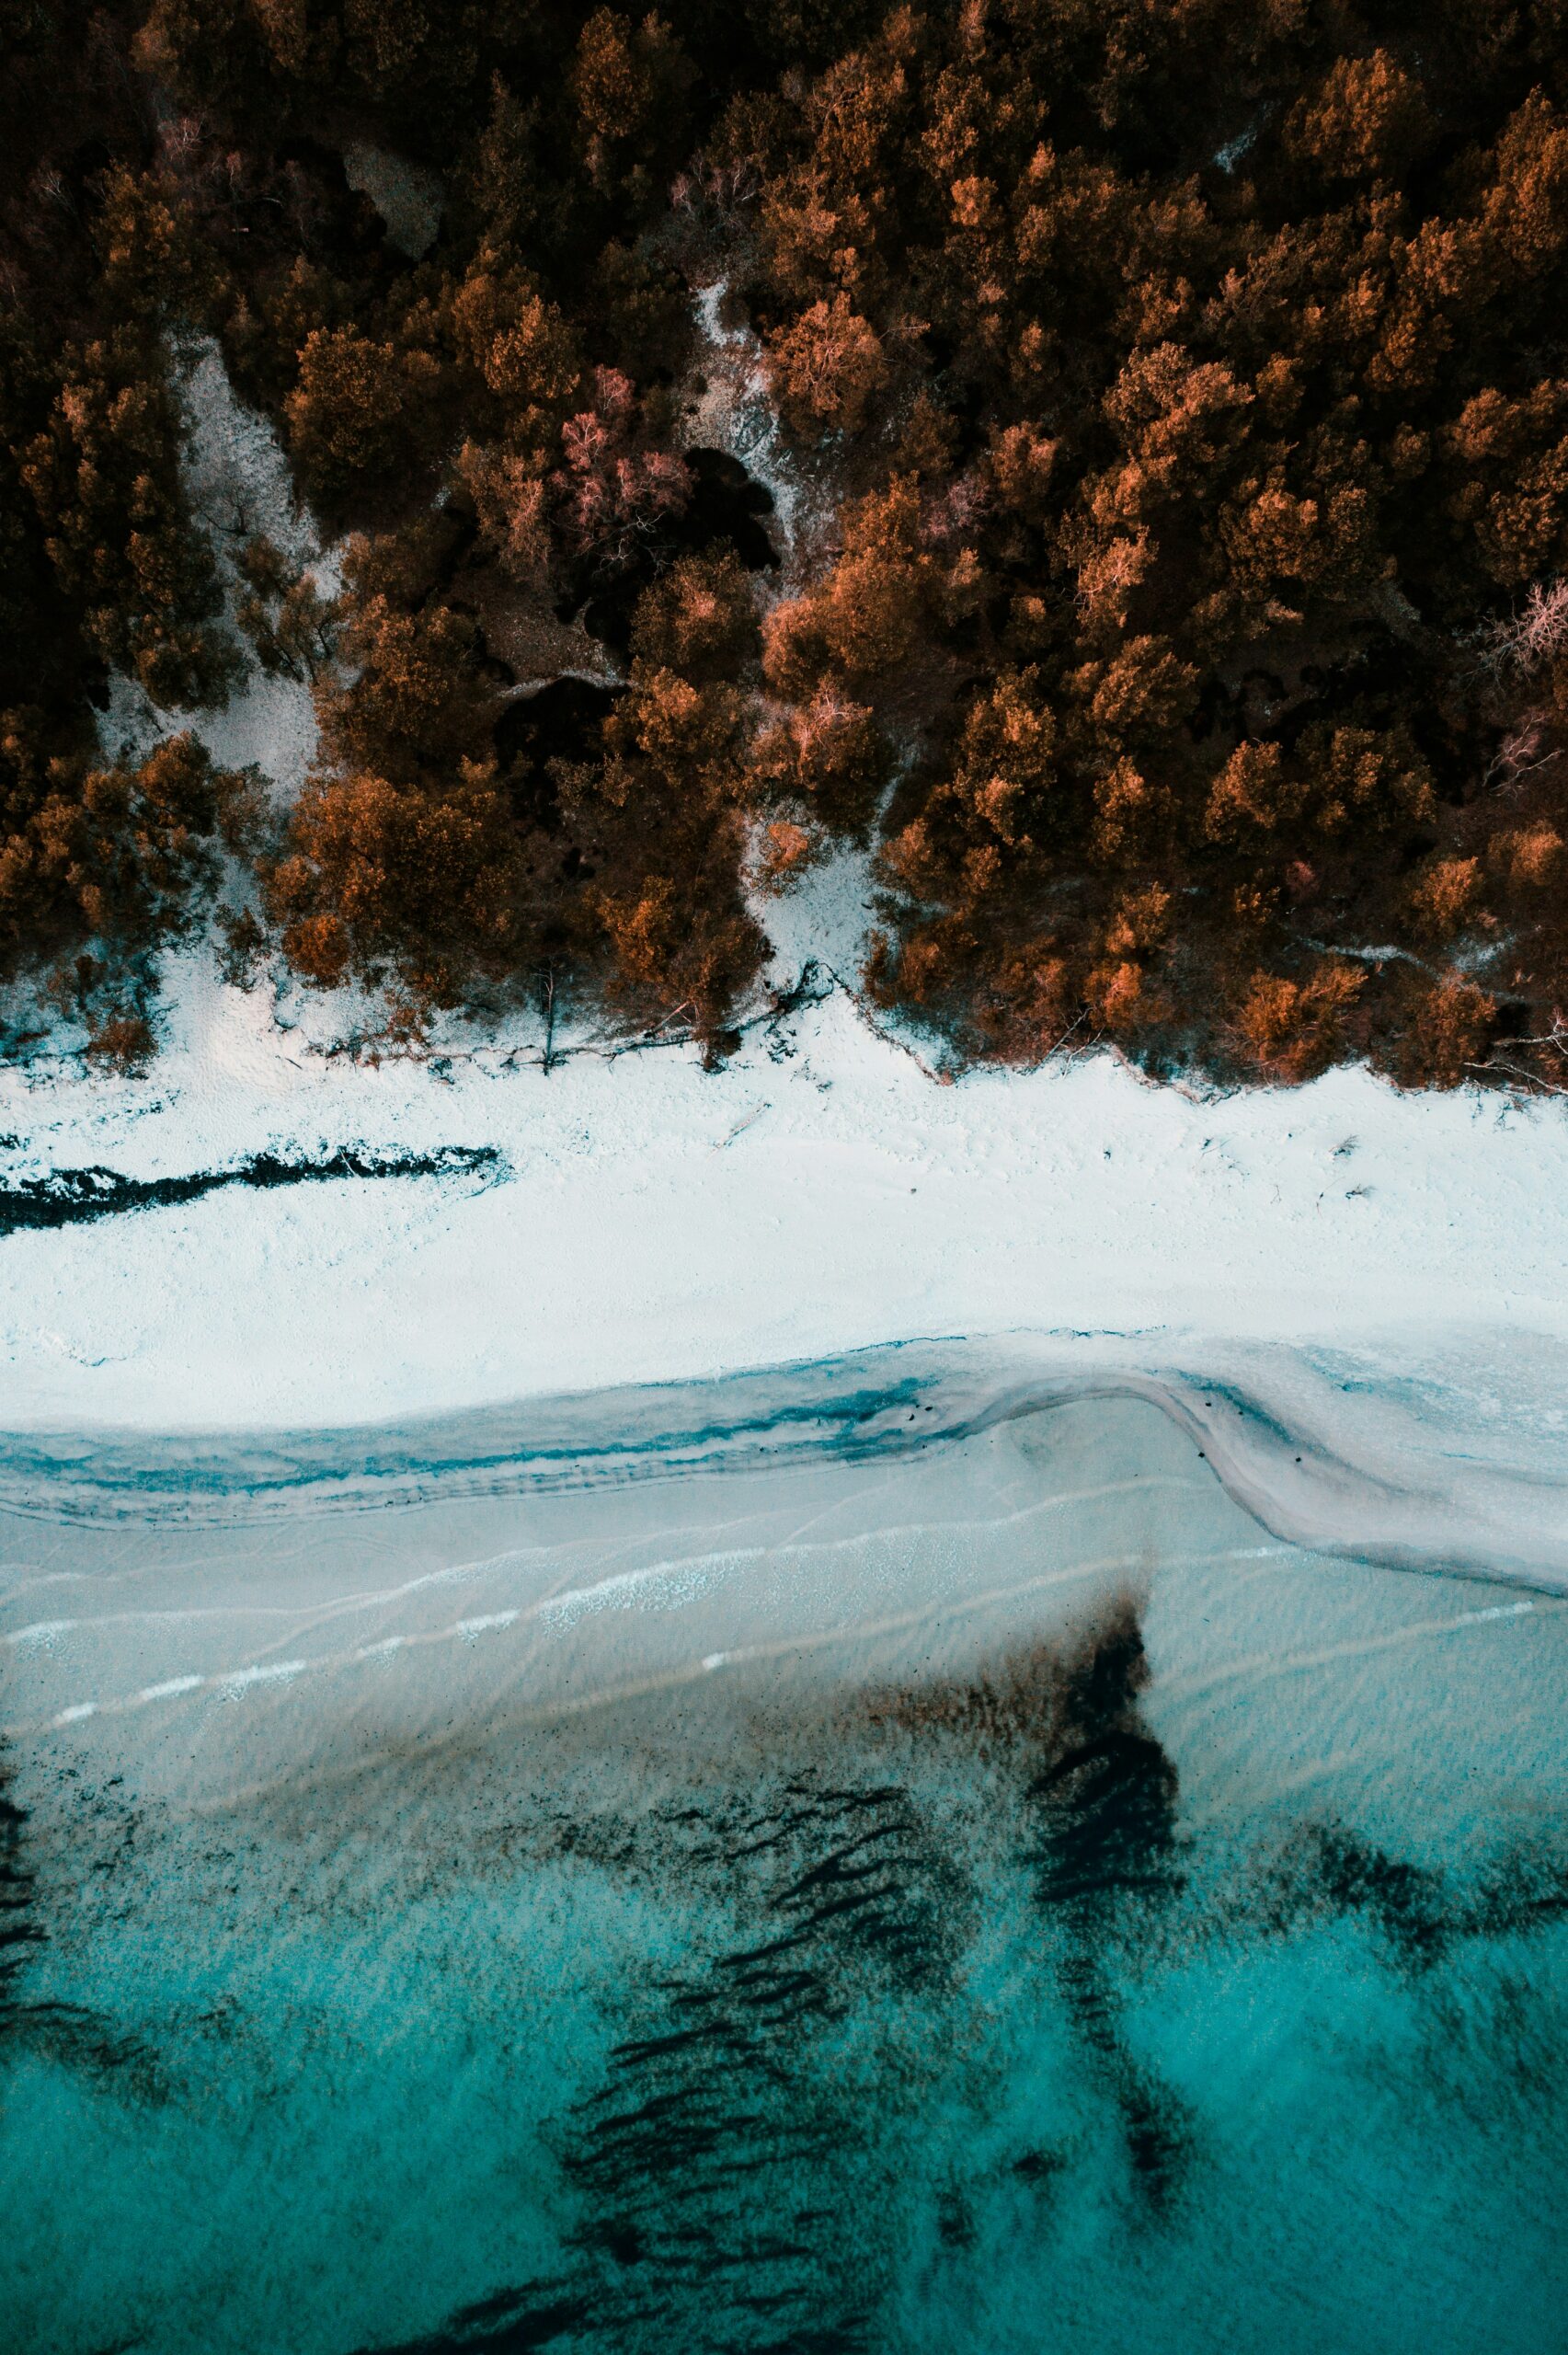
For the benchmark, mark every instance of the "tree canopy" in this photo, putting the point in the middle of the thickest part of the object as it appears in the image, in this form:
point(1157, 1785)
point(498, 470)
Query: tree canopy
point(1179, 621)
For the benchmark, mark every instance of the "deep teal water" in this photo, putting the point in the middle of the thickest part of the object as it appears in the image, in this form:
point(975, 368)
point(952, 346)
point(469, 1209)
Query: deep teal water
point(1191, 1978)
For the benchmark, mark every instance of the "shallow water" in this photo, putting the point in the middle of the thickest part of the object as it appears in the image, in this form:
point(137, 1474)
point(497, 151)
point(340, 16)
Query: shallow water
point(987, 1894)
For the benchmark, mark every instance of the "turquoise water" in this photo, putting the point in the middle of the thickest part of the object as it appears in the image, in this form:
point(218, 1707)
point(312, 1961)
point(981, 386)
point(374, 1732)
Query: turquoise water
point(1184, 1970)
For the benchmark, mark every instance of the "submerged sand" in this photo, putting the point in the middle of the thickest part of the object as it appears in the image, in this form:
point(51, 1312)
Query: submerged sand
point(898, 1854)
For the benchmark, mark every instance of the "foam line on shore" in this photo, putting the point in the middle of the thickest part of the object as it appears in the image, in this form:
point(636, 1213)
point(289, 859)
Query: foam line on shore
point(1410, 1458)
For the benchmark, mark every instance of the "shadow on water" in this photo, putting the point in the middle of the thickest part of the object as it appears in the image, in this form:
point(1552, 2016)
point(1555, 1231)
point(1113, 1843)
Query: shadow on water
point(18, 1930)
point(1326, 1871)
point(1107, 1805)
point(906, 2044)
point(737, 2187)
point(72, 2035)
point(756, 2172)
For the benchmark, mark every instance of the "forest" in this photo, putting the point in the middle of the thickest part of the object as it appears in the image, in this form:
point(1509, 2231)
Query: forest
point(1177, 617)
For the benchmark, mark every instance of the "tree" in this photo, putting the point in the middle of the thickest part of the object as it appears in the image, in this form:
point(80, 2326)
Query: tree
point(1365, 781)
point(827, 368)
point(419, 882)
point(1144, 695)
point(1134, 816)
point(614, 487)
point(1446, 897)
point(1290, 1030)
point(1368, 120)
point(1031, 1004)
point(521, 347)
point(1255, 793)
point(1443, 1033)
point(512, 504)
point(1178, 418)
point(118, 854)
point(698, 617)
point(1507, 462)
point(670, 959)
point(361, 407)
point(125, 550)
point(411, 699)
point(875, 608)
point(689, 733)
point(981, 823)
point(1122, 999)
point(826, 756)
point(282, 611)
point(630, 84)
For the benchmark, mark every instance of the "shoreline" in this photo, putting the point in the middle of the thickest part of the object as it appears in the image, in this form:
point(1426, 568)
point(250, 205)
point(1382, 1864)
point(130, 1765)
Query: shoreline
point(1416, 1459)
point(646, 1222)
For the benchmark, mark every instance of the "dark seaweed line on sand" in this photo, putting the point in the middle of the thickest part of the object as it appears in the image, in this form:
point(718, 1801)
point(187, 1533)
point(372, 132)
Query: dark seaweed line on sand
point(75, 1197)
